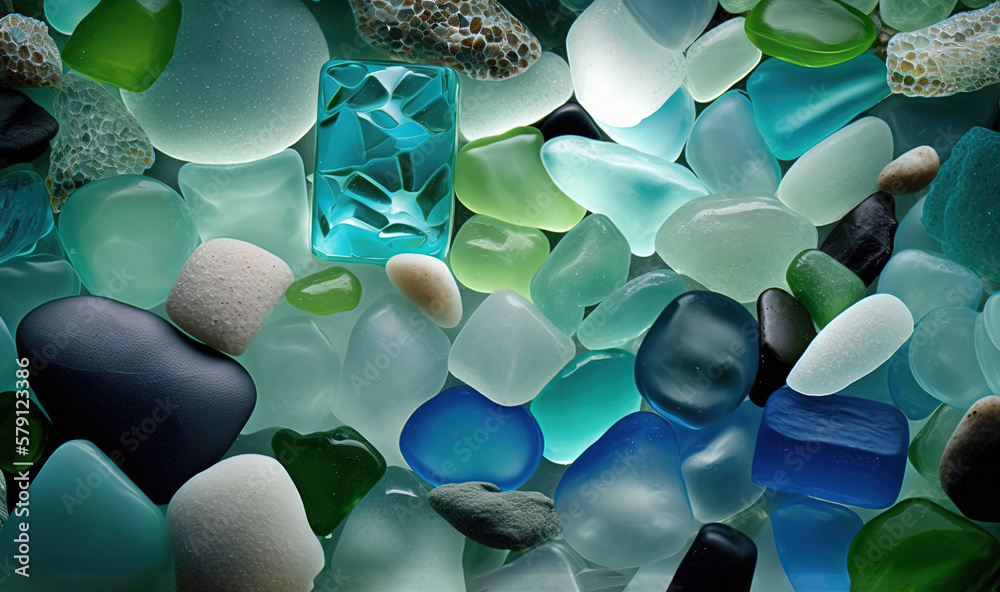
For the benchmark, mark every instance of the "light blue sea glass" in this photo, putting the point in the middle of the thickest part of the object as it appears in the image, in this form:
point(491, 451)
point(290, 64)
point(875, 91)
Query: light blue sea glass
point(796, 107)
point(943, 356)
point(263, 202)
point(586, 398)
point(911, 233)
point(25, 215)
point(385, 158)
point(812, 538)
point(637, 191)
point(910, 15)
point(674, 24)
point(664, 132)
point(630, 310)
point(65, 15)
point(906, 392)
point(90, 529)
point(925, 280)
point(26, 282)
point(987, 338)
point(587, 265)
point(727, 151)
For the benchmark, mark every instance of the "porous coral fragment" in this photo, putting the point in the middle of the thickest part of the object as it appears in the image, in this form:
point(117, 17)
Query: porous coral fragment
point(959, 54)
point(28, 54)
point(479, 38)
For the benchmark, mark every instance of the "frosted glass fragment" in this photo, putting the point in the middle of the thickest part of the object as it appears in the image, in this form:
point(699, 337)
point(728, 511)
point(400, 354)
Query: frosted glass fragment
point(943, 356)
point(661, 134)
point(925, 281)
point(674, 24)
point(719, 59)
point(907, 15)
point(65, 15)
point(630, 310)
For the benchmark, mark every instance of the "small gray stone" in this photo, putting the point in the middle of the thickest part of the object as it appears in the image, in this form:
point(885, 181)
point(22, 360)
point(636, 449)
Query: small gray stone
point(970, 465)
point(512, 520)
point(911, 172)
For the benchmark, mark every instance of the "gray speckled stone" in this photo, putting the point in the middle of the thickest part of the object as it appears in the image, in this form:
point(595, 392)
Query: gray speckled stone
point(512, 520)
point(970, 465)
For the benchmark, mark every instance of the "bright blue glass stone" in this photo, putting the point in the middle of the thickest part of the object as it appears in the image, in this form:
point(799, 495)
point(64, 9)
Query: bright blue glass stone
point(25, 215)
point(906, 392)
point(812, 538)
point(840, 449)
point(460, 436)
point(385, 155)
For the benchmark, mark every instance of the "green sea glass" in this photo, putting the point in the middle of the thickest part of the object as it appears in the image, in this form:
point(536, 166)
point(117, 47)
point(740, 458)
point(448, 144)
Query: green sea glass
point(332, 471)
point(489, 254)
point(333, 290)
point(910, 15)
point(719, 59)
point(823, 285)
point(928, 445)
point(918, 546)
point(125, 42)
point(503, 177)
point(810, 32)
point(33, 425)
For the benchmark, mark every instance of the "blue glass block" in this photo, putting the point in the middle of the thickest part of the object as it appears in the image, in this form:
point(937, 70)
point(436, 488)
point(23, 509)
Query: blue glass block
point(836, 448)
point(385, 154)
point(906, 392)
point(812, 538)
point(460, 436)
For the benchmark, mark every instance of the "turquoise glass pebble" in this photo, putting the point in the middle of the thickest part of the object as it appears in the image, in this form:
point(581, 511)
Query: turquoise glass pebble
point(385, 159)
point(587, 265)
point(911, 233)
point(65, 15)
point(27, 282)
point(925, 281)
point(664, 132)
point(128, 237)
point(637, 191)
point(987, 339)
point(905, 391)
point(794, 115)
point(25, 215)
point(674, 24)
point(943, 356)
point(812, 538)
point(586, 398)
point(460, 435)
point(727, 151)
point(90, 528)
point(630, 310)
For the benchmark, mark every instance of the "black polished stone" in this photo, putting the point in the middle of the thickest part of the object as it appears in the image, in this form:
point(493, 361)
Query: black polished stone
point(569, 120)
point(25, 128)
point(721, 559)
point(785, 331)
point(862, 240)
point(162, 406)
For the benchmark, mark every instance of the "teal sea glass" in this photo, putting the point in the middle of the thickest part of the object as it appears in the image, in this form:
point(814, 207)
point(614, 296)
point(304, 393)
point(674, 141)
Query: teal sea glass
point(385, 158)
point(65, 15)
point(796, 107)
point(664, 132)
point(24, 213)
point(630, 310)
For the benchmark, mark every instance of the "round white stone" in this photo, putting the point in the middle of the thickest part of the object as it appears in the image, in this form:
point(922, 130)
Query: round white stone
point(911, 172)
point(427, 283)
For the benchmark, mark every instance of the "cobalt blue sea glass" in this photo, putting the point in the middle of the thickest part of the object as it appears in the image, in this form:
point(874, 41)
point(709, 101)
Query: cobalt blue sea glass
point(385, 155)
point(25, 215)
point(840, 449)
point(812, 538)
point(699, 359)
point(460, 436)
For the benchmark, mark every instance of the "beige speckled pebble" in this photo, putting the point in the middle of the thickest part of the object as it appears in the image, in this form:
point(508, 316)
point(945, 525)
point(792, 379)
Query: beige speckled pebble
point(225, 291)
point(427, 282)
point(911, 172)
point(970, 464)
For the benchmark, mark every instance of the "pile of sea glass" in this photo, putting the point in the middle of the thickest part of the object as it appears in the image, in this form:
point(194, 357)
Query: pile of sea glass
point(499, 295)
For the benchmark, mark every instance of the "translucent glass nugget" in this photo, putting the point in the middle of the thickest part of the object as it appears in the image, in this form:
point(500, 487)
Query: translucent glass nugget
point(906, 393)
point(674, 24)
point(385, 152)
point(928, 445)
point(630, 310)
point(987, 337)
point(943, 356)
point(65, 16)
point(815, 563)
point(907, 15)
point(27, 282)
point(924, 281)
point(719, 59)
point(661, 134)
point(24, 214)
point(489, 254)
point(810, 32)
point(823, 285)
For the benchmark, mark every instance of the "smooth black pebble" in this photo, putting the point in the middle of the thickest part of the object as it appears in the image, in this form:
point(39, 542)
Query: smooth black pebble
point(721, 559)
point(862, 241)
point(786, 330)
point(162, 406)
point(25, 128)
point(569, 120)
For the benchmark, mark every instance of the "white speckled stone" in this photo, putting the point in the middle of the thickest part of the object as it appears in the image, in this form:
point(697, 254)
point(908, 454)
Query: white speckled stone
point(427, 283)
point(854, 344)
point(225, 291)
point(911, 172)
point(240, 526)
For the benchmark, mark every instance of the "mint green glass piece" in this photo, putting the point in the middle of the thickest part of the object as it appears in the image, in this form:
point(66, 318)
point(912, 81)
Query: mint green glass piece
point(333, 290)
point(943, 356)
point(91, 529)
point(586, 398)
point(910, 15)
point(715, 239)
point(674, 24)
point(630, 310)
point(726, 149)
point(637, 191)
point(661, 134)
point(814, 33)
point(928, 445)
point(823, 285)
point(719, 59)
point(128, 237)
point(587, 265)
point(26, 282)
point(489, 254)
point(865, 6)
point(738, 6)
point(924, 281)
point(263, 202)
point(65, 15)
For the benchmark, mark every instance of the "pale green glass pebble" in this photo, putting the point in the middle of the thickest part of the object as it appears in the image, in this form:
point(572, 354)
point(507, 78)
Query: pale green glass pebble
point(262, 202)
point(925, 281)
point(128, 237)
point(910, 15)
point(587, 265)
point(838, 173)
point(737, 6)
point(719, 59)
point(637, 191)
point(630, 310)
point(489, 254)
point(586, 398)
point(853, 345)
point(943, 356)
point(27, 282)
point(865, 6)
point(716, 239)
point(508, 350)
point(928, 444)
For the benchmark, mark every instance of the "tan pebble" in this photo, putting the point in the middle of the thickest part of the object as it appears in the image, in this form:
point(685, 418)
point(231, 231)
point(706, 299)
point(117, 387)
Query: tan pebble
point(428, 283)
point(911, 172)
